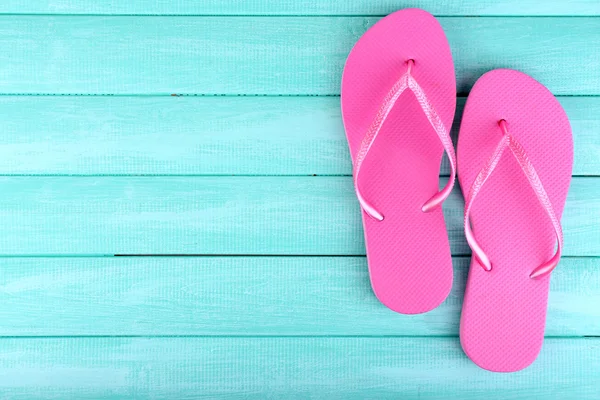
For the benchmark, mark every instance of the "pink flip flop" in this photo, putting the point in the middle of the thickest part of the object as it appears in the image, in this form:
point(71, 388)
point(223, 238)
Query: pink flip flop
point(398, 102)
point(515, 156)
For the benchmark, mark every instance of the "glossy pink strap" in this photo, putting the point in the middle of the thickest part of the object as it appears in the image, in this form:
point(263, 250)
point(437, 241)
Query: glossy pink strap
point(481, 178)
point(508, 141)
point(406, 81)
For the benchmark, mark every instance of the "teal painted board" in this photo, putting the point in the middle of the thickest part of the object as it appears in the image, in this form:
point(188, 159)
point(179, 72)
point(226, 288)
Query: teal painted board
point(247, 296)
point(301, 7)
point(268, 55)
point(286, 368)
point(207, 135)
point(222, 215)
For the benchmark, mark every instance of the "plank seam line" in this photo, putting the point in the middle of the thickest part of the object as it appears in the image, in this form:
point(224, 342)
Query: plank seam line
point(290, 15)
point(200, 176)
point(34, 175)
point(455, 256)
point(33, 94)
point(260, 337)
point(192, 175)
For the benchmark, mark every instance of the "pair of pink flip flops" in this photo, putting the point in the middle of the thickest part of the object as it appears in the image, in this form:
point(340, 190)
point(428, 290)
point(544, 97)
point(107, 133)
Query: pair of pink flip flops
point(515, 156)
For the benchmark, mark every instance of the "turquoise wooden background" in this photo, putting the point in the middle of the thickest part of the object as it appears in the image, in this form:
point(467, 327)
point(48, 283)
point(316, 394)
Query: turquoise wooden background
point(212, 129)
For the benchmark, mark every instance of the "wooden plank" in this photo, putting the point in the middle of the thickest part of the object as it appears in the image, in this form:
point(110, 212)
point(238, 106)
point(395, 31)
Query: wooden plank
point(206, 136)
point(245, 296)
point(301, 7)
point(268, 55)
point(290, 368)
point(222, 215)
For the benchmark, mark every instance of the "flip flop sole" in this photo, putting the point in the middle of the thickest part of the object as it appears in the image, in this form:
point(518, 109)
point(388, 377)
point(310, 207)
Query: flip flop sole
point(408, 252)
point(504, 310)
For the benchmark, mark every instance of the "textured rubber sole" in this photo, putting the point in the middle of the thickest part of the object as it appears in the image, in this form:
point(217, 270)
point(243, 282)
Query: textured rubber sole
point(504, 311)
point(408, 252)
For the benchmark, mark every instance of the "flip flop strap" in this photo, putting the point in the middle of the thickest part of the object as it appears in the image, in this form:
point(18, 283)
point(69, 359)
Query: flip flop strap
point(508, 141)
point(406, 81)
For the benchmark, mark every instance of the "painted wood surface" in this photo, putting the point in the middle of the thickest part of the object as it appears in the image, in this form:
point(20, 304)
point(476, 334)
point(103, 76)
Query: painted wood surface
point(247, 296)
point(223, 215)
point(290, 368)
point(268, 55)
point(301, 7)
point(207, 135)
point(279, 303)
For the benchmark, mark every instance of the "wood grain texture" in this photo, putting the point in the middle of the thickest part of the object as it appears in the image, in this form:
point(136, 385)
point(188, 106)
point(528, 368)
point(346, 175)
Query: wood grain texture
point(279, 326)
point(241, 296)
point(268, 55)
point(301, 7)
point(222, 215)
point(290, 368)
point(207, 136)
